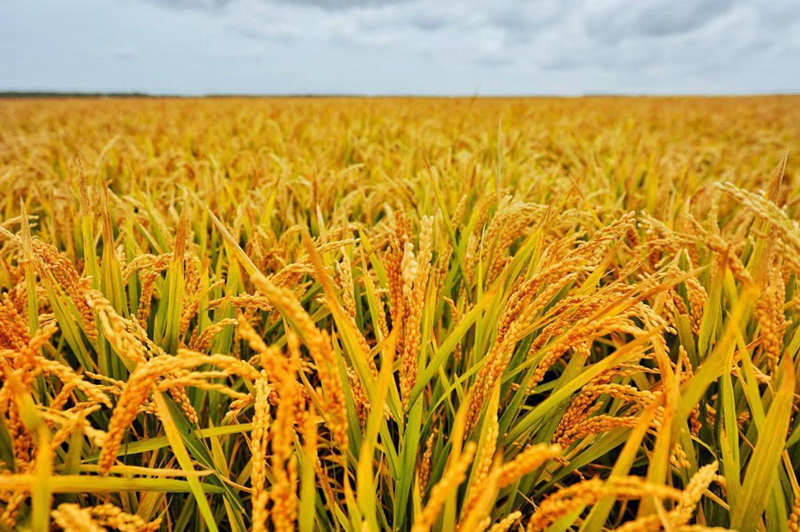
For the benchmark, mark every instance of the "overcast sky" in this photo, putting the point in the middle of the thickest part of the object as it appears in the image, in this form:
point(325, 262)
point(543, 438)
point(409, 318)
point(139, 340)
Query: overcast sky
point(401, 46)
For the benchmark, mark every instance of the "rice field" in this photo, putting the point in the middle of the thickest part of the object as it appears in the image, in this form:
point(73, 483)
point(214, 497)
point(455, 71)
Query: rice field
point(400, 314)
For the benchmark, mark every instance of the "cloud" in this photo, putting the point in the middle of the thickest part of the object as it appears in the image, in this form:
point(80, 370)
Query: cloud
point(613, 20)
point(343, 4)
point(124, 53)
point(383, 46)
point(193, 4)
point(554, 34)
point(329, 5)
point(646, 41)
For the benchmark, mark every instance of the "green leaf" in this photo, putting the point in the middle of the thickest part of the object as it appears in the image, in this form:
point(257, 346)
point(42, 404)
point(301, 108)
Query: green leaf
point(762, 470)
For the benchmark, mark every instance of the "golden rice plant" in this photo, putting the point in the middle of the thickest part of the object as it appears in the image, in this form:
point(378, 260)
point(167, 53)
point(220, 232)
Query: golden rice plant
point(400, 314)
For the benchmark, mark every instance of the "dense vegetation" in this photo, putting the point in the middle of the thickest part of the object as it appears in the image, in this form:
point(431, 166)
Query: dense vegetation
point(406, 314)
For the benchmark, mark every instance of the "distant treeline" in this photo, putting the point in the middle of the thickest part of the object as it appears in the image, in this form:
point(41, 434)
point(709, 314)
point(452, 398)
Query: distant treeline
point(54, 94)
point(47, 94)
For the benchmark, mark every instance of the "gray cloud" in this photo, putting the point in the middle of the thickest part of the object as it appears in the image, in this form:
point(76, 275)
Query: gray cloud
point(344, 4)
point(613, 20)
point(428, 22)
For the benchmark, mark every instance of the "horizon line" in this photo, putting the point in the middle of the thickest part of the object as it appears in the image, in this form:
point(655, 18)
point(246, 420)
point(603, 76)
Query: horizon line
point(156, 95)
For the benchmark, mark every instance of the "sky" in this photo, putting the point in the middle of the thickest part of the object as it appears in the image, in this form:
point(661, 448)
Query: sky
point(437, 47)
